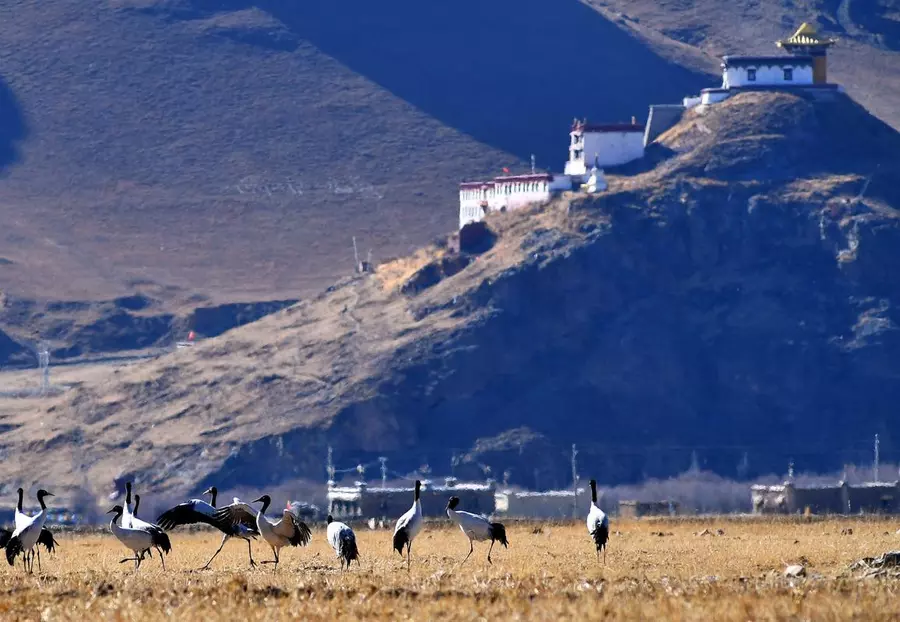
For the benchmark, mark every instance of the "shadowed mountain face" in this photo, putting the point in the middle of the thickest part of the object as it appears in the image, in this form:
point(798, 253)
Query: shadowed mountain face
point(12, 126)
point(509, 73)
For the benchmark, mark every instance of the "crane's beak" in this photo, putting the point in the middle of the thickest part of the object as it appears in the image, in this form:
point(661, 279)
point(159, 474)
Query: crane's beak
point(112, 511)
point(257, 500)
point(49, 494)
point(208, 491)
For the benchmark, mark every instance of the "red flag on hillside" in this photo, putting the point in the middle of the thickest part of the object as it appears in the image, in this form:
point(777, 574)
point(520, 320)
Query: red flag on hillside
point(505, 170)
point(191, 336)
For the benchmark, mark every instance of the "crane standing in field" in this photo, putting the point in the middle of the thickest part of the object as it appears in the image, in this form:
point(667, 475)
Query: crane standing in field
point(343, 541)
point(160, 540)
point(27, 533)
point(598, 523)
point(476, 527)
point(288, 531)
point(199, 511)
point(21, 520)
point(408, 526)
point(136, 538)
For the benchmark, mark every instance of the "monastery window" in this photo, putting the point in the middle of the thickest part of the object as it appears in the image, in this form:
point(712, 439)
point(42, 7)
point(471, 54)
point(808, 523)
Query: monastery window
point(751, 74)
point(788, 74)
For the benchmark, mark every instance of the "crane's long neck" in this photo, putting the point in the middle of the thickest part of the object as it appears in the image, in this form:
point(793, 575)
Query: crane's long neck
point(214, 494)
point(453, 515)
point(418, 490)
point(265, 506)
point(41, 501)
point(137, 504)
point(112, 523)
point(128, 495)
point(19, 502)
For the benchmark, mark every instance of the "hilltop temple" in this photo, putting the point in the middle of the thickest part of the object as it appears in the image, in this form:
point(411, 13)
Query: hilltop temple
point(804, 67)
point(594, 147)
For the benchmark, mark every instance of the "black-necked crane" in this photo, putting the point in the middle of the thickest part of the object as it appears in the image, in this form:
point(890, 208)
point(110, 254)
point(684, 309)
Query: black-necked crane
point(26, 535)
point(598, 523)
point(130, 520)
point(288, 531)
point(408, 526)
point(21, 520)
point(199, 511)
point(343, 541)
point(476, 527)
point(137, 539)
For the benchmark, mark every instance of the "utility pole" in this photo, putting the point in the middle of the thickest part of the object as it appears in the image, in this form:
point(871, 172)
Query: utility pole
point(877, 443)
point(355, 256)
point(383, 461)
point(329, 467)
point(533, 167)
point(574, 482)
point(44, 361)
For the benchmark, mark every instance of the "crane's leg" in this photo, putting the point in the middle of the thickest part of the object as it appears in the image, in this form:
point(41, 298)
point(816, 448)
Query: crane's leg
point(250, 552)
point(271, 561)
point(489, 552)
point(38, 556)
point(224, 538)
point(471, 548)
point(604, 555)
point(275, 568)
point(408, 554)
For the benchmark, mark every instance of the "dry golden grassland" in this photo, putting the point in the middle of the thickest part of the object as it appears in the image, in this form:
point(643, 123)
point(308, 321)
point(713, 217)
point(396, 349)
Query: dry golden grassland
point(549, 573)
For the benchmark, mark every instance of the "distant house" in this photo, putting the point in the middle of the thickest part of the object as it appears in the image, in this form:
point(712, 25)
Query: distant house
point(841, 498)
point(363, 501)
point(551, 504)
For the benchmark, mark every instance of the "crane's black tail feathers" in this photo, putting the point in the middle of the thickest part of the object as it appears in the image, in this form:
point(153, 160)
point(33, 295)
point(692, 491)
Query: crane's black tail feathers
point(13, 548)
point(46, 538)
point(401, 539)
point(5, 535)
point(161, 539)
point(349, 551)
point(302, 534)
point(600, 536)
point(498, 533)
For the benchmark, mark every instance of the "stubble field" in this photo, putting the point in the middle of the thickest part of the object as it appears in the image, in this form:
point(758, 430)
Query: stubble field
point(549, 572)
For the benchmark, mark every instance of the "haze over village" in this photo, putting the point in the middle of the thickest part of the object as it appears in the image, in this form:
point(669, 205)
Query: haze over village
point(359, 282)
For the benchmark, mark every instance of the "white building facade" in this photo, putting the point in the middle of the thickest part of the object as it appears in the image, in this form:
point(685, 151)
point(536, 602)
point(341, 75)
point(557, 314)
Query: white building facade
point(477, 198)
point(752, 71)
point(603, 145)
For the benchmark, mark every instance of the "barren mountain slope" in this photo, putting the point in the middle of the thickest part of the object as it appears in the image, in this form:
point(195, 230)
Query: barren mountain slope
point(738, 300)
point(232, 148)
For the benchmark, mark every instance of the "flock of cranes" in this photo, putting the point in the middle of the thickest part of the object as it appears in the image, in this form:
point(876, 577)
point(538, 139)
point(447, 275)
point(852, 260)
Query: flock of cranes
point(241, 520)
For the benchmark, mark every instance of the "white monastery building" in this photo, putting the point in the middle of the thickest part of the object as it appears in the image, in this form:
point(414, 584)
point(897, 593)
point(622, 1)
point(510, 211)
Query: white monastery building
point(603, 146)
point(593, 147)
point(805, 67)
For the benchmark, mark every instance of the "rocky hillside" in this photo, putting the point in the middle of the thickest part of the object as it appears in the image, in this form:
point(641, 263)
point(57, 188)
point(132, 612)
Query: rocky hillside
point(736, 302)
point(232, 148)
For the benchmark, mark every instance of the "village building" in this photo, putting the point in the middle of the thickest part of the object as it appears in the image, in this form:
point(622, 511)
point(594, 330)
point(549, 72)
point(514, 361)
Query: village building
point(841, 498)
point(361, 501)
point(551, 504)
